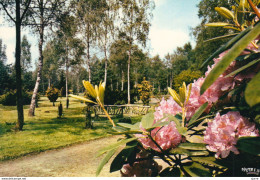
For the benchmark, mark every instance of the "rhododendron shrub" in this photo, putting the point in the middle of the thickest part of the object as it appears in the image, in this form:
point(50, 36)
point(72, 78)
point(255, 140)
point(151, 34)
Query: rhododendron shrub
point(210, 127)
point(226, 128)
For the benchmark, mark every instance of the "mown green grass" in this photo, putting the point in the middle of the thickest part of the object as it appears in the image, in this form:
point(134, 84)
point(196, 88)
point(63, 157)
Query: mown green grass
point(45, 130)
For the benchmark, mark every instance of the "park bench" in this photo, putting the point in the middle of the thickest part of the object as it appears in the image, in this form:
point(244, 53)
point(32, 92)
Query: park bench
point(135, 109)
point(120, 110)
point(113, 110)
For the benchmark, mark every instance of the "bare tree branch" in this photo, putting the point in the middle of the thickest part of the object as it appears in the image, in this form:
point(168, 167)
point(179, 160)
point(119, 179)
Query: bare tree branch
point(9, 15)
point(25, 10)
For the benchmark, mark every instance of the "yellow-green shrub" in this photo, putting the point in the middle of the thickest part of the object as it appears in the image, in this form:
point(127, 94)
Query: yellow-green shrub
point(186, 76)
point(144, 90)
point(52, 94)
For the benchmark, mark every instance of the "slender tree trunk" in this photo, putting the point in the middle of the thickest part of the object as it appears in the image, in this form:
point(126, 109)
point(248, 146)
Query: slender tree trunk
point(88, 64)
point(122, 81)
point(67, 73)
point(20, 122)
point(105, 78)
point(171, 79)
point(77, 79)
point(49, 82)
point(136, 78)
point(128, 75)
point(39, 72)
point(117, 84)
point(105, 51)
point(111, 84)
point(88, 58)
point(168, 80)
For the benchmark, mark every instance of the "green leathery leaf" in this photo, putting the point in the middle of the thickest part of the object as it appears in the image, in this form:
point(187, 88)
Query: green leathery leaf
point(226, 46)
point(127, 132)
point(221, 37)
point(189, 92)
point(105, 160)
point(82, 99)
point(182, 130)
point(241, 12)
point(175, 96)
point(218, 24)
point(193, 146)
point(224, 12)
point(179, 150)
point(159, 124)
point(147, 120)
point(250, 145)
point(90, 89)
point(232, 27)
point(97, 92)
point(221, 66)
point(174, 119)
point(248, 57)
point(242, 68)
point(136, 126)
point(252, 92)
point(196, 123)
point(197, 113)
point(115, 145)
point(182, 94)
point(207, 160)
point(119, 129)
point(197, 170)
point(126, 125)
point(102, 92)
point(199, 153)
point(170, 172)
point(119, 160)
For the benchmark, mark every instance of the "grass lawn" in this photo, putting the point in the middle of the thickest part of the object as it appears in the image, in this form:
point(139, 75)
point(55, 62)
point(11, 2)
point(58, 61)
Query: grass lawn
point(45, 130)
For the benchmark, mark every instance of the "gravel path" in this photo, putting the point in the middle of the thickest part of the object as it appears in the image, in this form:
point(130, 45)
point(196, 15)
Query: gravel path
point(75, 161)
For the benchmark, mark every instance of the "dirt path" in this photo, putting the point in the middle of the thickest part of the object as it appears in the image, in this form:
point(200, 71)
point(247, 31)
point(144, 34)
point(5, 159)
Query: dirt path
point(75, 161)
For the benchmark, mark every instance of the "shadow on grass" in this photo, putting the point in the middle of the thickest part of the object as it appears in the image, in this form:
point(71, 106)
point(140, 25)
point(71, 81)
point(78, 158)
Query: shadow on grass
point(5, 128)
point(73, 125)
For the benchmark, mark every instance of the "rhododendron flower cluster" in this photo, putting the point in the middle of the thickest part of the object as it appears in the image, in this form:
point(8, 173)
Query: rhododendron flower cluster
point(168, 136)
point(223, 132)
point(142, 168)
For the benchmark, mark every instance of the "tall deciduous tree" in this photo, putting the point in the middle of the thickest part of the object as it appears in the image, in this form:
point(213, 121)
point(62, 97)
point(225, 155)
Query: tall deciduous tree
point(4, 77)
point(72, 47)
point(90, 14)
point(16, 11)
point(44, 14)
point(50, 62)
point(169, 70)
point(25, 53)
point(135, 24)
point(3, 56)
point(118, 59)
point(106, 30)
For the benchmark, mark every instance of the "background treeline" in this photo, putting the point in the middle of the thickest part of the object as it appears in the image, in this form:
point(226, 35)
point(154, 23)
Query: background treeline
point(87, 44)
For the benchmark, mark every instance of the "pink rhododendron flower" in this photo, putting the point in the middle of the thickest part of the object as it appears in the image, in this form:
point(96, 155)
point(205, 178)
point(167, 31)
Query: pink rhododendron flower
point(223, 132)
point(145, 168)
point(166, 106)
point(212, 94)
point(168, 136)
